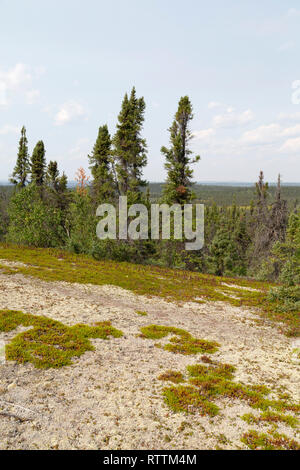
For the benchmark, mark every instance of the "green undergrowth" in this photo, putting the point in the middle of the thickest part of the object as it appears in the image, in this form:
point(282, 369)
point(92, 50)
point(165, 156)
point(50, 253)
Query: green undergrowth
point(172, 376)
point(50, 343)
point(170, 284)
point(141, 313)
point(182, 343)
point(205, 384)
point(271, 441)
point(269, 417)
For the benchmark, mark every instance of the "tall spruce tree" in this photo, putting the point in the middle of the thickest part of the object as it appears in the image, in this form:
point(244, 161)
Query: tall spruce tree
point(57, 193)
point(52, 175)
point(103, 184)
point(22, 168)
point(38, 164)
point(178, 156)
point(279, 215)
point(130, 149)
point(262, 193)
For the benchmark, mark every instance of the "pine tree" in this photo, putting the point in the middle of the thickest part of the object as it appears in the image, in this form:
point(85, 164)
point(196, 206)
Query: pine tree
point(22, 168)
point(52, 175)
point(178, 156)
point(57, 193)
point(278, 216)
point(38, 164)
point(103, 185)
point(262, 193)
point(129, 147)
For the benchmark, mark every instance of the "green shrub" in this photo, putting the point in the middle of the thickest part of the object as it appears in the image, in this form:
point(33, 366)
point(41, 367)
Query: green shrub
point(33, 222)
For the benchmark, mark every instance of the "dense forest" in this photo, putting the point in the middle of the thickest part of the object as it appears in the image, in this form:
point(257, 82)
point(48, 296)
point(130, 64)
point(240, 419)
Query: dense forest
point(249, 232)
point(226, 195)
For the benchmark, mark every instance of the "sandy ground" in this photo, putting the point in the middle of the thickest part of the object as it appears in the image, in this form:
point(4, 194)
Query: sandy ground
point(111, 398)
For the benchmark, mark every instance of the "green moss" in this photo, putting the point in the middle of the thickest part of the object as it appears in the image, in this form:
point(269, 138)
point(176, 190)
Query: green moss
point(172, 376)
point(208, 383)
point(269, 417)
point(171, 284)
point(222, 439)
point(50, 343)
point(141, 313)
point(273, 441)
point(182, 343)
point(186, 398)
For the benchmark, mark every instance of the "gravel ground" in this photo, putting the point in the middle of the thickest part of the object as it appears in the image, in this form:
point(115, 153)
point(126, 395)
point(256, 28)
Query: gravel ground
point(111, 398)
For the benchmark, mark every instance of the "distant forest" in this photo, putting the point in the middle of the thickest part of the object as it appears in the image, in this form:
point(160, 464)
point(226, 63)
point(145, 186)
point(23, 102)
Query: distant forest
point(222, 196)
point(227, 195)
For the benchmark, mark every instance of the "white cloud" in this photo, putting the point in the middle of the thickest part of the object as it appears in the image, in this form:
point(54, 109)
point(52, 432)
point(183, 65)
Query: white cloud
point(214, 104)
point(204, 134)
point(291, 131)
point(233, 119)
point(7, 129)
point(291, 146)
point(12, 80)
point(16, 76)
point(292, 13)
point(3, 94)
point(17, 79)
point(289, 116)
point(69, 111)
point(269, 134)
point(261, 135)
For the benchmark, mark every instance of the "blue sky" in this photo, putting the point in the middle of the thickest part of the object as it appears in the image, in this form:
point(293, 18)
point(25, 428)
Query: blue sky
point(65, 66)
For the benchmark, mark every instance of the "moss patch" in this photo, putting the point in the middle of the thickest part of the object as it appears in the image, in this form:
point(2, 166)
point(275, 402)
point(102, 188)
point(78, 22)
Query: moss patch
point(205, 384)
point(50, 343)
point(273, 441)
point(269, 417)
point(141, 313)
point(172, 376)
point(171, 284)
point(182, 343)
point(185, 398)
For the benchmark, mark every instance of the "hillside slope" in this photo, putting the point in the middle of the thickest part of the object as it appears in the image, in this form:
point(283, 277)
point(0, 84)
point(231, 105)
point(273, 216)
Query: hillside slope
point(122, 394)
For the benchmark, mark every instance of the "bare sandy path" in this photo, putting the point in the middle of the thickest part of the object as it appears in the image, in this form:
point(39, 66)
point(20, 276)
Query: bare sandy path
point(111, 398)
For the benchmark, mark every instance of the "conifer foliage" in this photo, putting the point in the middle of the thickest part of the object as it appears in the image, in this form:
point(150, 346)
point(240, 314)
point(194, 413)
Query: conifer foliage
point(103, 185)
point(22, 168)
point(260, 240)
point(38, 164)
point(178, 156)
point(130, 149)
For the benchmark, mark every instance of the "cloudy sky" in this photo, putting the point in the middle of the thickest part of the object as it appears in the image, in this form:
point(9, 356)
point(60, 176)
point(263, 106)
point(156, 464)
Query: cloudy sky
point(65, 66)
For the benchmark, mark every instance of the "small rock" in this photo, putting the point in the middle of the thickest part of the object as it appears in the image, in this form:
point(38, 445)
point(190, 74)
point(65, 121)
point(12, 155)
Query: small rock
point(11, 386)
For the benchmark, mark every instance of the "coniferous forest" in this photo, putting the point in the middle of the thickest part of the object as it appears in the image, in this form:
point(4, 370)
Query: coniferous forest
point(149, 229)
point(259, 239)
